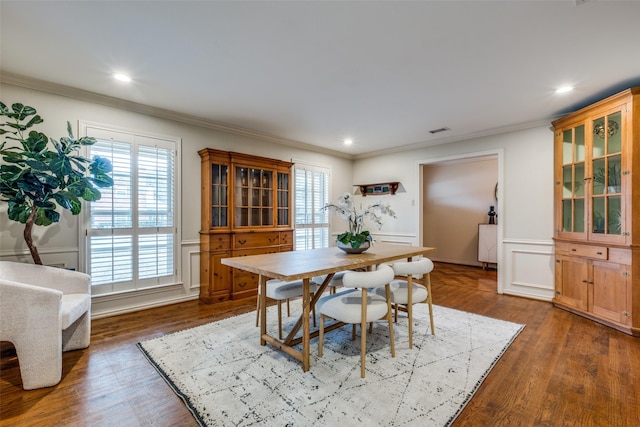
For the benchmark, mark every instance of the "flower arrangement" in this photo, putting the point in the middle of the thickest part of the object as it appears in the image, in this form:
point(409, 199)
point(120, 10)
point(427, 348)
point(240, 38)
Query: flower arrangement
point(345, 207)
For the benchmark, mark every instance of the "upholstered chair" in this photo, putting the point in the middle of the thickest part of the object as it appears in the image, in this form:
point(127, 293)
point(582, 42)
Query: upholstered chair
point(336, 281)
point(357, 305)
point(280, 291)
point(404, 300)
point(43, 312)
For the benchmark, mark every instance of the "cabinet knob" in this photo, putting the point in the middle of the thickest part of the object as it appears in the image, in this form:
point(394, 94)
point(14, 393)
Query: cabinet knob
point(242, 242)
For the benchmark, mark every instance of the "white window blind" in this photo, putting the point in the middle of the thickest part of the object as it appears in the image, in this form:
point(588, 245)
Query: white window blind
point(132, 228)
point(311, 194)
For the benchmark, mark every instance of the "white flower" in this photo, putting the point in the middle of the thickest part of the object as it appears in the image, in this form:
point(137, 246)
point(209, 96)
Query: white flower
point(347, 210)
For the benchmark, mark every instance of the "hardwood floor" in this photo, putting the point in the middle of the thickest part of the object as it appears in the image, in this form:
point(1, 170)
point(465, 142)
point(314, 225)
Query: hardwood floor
point(562, 370)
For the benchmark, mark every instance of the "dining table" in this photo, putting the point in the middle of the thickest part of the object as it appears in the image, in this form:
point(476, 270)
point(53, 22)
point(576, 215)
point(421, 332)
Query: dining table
point(304, 265)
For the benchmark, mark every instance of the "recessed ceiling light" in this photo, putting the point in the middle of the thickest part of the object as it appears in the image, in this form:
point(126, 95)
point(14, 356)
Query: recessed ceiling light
point(122, 77)
point(348, 141)
point(564, 89)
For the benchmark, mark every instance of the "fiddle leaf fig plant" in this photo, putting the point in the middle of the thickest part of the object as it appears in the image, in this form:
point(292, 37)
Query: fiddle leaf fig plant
point(39, 173)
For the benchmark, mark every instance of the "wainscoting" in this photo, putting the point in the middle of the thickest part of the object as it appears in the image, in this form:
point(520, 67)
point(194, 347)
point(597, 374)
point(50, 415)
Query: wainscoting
point(527, 269)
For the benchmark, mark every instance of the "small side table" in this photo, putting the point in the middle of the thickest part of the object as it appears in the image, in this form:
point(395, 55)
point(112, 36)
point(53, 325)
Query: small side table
point(487, 244)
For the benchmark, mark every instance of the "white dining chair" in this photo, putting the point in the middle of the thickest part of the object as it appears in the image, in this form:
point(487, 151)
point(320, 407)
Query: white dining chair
point(359, 306)
point(404, 300)
point(282, 291)
point(336, 281)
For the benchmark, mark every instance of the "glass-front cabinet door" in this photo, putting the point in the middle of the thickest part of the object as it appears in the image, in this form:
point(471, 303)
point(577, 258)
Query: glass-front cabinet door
point(283, 199)
point(573, 193)
point(219, 199)
point(607, 173)
point(253, 197)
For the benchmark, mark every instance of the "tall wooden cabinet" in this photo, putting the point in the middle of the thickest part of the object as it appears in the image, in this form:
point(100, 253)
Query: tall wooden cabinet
point(597, 211)
point(246, 210)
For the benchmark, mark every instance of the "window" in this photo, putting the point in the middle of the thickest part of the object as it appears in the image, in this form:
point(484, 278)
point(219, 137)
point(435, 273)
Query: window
point(311, 194)
point(132, 231)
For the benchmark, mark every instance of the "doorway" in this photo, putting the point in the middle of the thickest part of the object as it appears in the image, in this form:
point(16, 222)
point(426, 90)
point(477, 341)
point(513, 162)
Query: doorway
point(456, 193)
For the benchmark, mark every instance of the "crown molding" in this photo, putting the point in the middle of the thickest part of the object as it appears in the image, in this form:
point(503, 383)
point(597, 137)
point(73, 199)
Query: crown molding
point(465, 137)
point(109, 101)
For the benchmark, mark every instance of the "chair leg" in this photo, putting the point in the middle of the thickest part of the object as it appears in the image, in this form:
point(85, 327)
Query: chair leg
point(410, 316)
point(390, 321)
point(280, 319)
point(288, 308)
point(430, 301)
point(353, 332)
point(258, 312)
point(363, 333)
point(321, 335)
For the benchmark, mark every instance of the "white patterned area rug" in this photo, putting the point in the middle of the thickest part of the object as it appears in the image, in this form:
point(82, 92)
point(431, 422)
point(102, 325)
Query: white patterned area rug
point(226, 378)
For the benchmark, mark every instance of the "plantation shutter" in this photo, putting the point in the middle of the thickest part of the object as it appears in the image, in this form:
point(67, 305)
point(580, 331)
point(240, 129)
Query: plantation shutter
point(311, 194)
point(131, 233)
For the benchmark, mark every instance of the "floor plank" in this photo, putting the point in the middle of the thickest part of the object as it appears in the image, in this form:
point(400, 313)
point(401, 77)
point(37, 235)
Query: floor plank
point(563, 370)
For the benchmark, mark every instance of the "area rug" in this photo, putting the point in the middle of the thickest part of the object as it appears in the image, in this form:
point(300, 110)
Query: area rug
point(226, 378)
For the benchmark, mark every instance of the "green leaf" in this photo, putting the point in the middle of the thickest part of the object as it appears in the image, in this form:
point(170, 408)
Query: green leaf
point(46, 217)
point(91, 194)
point(100, 165)
point(102, 180)
point(36, 142)
point(35, 120)
point(19, 212)
point(61, 166)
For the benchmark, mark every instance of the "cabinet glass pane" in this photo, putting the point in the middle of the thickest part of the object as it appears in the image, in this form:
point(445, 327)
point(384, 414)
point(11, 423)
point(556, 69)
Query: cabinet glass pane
point(567, 147)
point(614, 175)
point(578, 216)
point(599, 176)
point(579, 144)
point(578, 186)
point(567, 181)
point(614, 139)
point(242, 217)
point(566, 215)
point(614, 220)
point(266, 198)
point(598, 217)
point(599, 134)
point(266, 180)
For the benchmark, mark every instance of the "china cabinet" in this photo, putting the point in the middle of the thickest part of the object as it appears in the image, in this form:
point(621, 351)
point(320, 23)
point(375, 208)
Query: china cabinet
point(597, 238)
point(245, 211)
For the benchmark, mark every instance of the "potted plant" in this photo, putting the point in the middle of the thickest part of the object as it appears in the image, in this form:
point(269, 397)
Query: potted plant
point(356, 239)
point(39, 174)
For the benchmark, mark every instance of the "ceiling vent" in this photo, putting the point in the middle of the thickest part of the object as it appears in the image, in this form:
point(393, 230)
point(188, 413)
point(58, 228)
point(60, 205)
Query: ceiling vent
point(439, 130)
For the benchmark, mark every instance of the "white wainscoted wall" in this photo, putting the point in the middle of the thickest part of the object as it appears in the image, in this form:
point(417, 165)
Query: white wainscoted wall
point(528, 268)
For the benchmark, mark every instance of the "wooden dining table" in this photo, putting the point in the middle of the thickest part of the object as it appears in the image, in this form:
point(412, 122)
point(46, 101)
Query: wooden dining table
point(304, 265)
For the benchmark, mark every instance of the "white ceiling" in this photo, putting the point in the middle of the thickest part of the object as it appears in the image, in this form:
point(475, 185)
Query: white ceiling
point(382, 73)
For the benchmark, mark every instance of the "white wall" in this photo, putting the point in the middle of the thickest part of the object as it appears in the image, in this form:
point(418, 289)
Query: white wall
point(525, 175)
point(59, 243)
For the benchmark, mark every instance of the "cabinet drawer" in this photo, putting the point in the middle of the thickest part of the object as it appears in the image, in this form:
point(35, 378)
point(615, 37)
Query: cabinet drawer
point(219, 242)
point(244, 281)
point(255, 240)
point(586, 251)
point(286, 238)
point(255, 251)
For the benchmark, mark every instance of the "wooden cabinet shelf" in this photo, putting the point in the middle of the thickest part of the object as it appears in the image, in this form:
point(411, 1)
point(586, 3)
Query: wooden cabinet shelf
point(597, 238)
point(246, 210)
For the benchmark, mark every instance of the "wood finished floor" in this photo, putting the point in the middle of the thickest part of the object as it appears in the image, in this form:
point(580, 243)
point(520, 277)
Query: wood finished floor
point(562, 370)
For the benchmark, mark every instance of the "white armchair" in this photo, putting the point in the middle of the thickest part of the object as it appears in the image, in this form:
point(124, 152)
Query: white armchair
point(43, 312)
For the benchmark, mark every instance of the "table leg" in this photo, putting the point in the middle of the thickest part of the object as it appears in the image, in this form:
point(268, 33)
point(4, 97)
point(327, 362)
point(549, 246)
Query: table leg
point(306, 312)
point(263, 308)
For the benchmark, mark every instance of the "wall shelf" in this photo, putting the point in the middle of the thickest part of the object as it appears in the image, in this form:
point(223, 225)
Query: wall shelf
point(378, 189)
